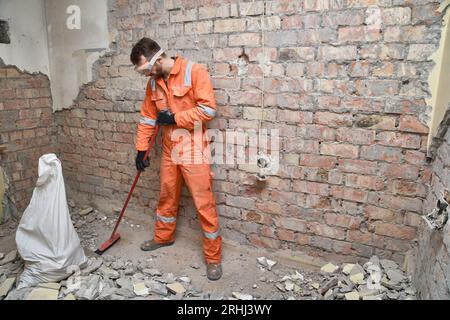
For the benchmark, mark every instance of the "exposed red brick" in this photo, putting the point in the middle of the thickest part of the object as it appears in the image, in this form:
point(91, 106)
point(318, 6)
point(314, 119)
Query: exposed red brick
point(399, 232)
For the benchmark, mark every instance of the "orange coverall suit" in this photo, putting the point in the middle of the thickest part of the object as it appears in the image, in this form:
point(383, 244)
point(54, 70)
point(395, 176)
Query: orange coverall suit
point(189, 95)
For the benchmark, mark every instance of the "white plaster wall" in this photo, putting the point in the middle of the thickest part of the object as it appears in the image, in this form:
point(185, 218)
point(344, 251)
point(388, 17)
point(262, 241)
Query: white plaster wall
point(72, 52)
point(28, 49)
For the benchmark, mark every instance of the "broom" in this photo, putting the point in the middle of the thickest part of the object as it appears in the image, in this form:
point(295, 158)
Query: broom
point(115, 236)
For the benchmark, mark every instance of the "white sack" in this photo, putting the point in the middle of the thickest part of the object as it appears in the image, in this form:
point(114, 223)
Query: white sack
point(46, 238)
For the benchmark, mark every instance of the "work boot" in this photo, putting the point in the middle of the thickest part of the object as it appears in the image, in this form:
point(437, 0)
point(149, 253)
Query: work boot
point(151, 245)
point(213, 271)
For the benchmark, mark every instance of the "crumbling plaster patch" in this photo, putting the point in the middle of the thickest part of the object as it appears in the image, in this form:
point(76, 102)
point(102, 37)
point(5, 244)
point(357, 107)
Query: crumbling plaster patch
point(74, 47)
point(46, 38)
point(439, 78)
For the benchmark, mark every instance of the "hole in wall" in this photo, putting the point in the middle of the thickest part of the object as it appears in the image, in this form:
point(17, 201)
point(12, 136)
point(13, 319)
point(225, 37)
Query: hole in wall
point(4, 32)
point(242, 63)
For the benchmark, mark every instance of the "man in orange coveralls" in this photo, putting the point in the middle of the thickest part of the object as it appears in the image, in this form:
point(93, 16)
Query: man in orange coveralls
point(179, 96)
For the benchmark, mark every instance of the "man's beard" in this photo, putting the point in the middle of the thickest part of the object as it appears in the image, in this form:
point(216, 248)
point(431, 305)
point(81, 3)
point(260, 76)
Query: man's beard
point(160, 74)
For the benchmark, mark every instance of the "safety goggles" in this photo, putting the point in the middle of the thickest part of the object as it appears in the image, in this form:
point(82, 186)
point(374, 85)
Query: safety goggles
point(146, 68)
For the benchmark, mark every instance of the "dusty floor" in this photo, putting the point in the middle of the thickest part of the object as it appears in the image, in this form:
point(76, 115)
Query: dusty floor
point(241, 271)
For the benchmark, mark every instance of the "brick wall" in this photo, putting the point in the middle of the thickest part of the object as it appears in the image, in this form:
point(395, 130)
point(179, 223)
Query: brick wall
point(348, 100)
point(431, 263)
point(26, 127)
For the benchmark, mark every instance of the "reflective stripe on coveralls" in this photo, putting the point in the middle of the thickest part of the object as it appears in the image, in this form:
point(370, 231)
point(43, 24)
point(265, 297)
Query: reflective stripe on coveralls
point(188, 74)
point(190, 96)
point(147, 121)
point(207, 110)
point(153, 84)
point(166, 219)
point(211, 235)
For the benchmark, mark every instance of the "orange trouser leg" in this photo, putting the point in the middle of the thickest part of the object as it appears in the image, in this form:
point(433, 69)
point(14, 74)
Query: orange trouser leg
point(199, 183)
point(167, 210)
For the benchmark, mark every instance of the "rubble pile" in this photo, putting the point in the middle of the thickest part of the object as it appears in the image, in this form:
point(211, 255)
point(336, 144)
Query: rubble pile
point(112, 278)
point(103, 278)
point(377, 279)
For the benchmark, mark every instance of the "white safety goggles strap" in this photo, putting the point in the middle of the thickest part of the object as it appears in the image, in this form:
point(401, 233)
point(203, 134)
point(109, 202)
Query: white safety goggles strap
point(151, 62)
point(156, 56)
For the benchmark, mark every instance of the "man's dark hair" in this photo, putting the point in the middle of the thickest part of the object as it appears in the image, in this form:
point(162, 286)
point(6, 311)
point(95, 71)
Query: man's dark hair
point(146, 47)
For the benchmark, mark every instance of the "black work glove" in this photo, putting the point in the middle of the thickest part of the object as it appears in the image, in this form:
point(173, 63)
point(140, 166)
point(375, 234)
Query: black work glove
point(141, 164)
point(165, 117)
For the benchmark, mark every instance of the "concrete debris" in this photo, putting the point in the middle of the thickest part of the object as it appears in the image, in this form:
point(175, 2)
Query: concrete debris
point(125, 283)
point(124, 292)
point(390, 285)
point(2, 255)
point(329, 294)
point(354, 295)
point(166, 278)
point(289, 285)
point(375, 260)
point(118, 265)
point(357, 269)
point(43, 294)
point(157, 287)
point(395, 276)
point(410, 291)
point(376, 279)
point(140, 289)
point(329, 268)
point(393, 295)
point(89, 289)
point(357, 278)
point(170, 278)
point(242, 296)
point(85, 211)
point(70, 296)
point(50, 285)
point(6, 287)
point(285, 278)
point(10, 257)
point(315, 285)
point(152, 272)
point(329, 285)
point(129, 271)
point(378, 297)
point(366, 291)
point(297, 276)
point(266, 263)
point(388, 264)
point(109, 273)
point(92, 266)
point(185, 279)
point(176, 288)
point(347, 268)
point(177, 296)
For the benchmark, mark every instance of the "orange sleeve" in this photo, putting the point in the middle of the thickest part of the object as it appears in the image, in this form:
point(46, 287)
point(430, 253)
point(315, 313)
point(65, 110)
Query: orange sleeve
point(147, 121)
point(205, 101)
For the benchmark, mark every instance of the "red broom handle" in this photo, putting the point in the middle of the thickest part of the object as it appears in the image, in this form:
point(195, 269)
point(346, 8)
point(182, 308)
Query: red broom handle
point(152, 142)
